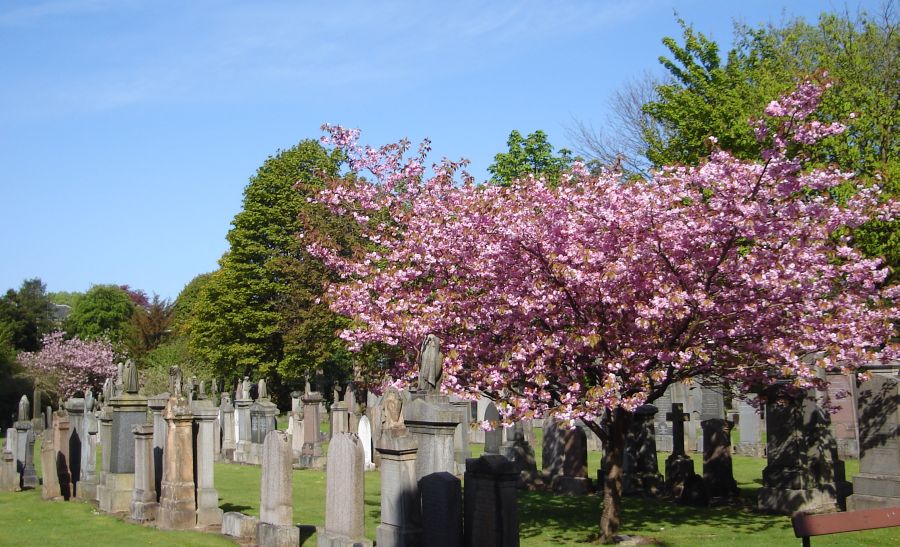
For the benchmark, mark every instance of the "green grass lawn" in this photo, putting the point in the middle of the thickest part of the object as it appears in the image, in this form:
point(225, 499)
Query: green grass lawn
point(544, 519)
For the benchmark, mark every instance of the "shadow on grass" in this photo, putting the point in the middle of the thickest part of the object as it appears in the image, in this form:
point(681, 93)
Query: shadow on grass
point(232, 508)
point(565, 519)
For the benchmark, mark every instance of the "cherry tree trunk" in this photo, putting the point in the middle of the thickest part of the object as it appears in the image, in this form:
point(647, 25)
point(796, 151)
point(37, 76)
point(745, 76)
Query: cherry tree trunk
point(613, 462)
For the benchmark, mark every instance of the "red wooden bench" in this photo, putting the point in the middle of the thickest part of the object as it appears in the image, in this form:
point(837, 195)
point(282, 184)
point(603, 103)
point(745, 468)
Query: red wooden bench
point(807, 526)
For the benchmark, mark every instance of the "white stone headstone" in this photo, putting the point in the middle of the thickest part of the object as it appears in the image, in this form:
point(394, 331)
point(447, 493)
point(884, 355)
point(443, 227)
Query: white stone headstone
point(365, 436)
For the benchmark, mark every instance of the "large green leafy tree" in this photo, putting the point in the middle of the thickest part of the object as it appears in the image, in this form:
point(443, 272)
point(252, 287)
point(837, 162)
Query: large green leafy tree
point(104, 310)
point(239, 321)
point(711, 95)
point(26, 315)
point(531, 155)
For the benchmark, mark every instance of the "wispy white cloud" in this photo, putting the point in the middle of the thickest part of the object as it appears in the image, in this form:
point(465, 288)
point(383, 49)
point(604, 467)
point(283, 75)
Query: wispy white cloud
point(27, 13)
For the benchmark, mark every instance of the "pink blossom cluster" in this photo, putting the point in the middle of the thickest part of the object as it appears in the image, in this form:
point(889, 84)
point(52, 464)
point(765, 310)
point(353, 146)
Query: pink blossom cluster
point(598, 293)
point(72, 364)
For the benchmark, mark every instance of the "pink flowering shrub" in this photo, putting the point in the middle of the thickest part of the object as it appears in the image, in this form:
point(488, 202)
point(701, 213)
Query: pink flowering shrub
point(70, 367)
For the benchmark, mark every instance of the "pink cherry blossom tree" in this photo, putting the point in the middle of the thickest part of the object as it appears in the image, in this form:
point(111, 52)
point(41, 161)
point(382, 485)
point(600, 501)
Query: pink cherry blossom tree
point(67, 367)
point(587, 299)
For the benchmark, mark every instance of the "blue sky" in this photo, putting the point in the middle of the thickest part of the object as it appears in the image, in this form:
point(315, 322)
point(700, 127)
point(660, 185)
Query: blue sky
point(129, 128)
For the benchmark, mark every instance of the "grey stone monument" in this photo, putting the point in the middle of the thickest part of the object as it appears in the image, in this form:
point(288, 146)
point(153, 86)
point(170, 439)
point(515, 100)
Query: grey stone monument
point(842, 394)
point(25, 448)
point(400, 506)
point(803, 471)
point(679, 466)
point(664, 432)
point(493, 437)
point(87, 487)
point(750, 427)
point(205, 413)
point(49, 481)
point(61, 430)
point(276, 514)
point(226, 412)
point(491, 511)
point(177, 504)
point(565, 458)
point(640, 471)
point(77, 443)
point(461, 437)
point(157, 405)
point(9, 476)
point(128, 410)
point(143, 502)
point(242, 421)
point(519, 451)
point(878, 481)
point(344, 509)
point(340, 420)
point(311, 452)
point(364, 432)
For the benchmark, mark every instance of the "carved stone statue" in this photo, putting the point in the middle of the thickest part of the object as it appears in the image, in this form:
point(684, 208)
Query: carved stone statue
point(336, 394)
point(245, 388)
point(226, 398)
point(107, 390)
point(392, 416)
point(262, 392)
point(130, 379)
point(175, 381)
point(88, 401)
point(307, 389)
point(430, 364)
point(202, 394)
point(24, 409)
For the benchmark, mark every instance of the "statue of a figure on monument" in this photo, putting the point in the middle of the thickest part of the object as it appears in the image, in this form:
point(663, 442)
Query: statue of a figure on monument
point(106, 392)
point(307, 389)
point(392, 417)
point(130, 380)
point(175, 381)
point(24, 409)
point(336, 394)
point(262, 392)
point(88, 401)
point(190, 386)
point(245, 388)
point(202, 393)
point(430, 364)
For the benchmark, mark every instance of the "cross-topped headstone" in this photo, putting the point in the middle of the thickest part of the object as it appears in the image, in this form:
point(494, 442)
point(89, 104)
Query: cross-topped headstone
point(678, 417)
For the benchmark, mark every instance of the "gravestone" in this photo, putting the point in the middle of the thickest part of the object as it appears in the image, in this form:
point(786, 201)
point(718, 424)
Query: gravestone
point(157, 405)
point(461, 451)
point(710, 403)
point(9, 476)
point(24, 437)
point(491, 511)
point(565, 458)
point(340, 421)
point(364, 433)
point(373, 411)
point(128, 410)
point(344, 508)
point(49, 481)
point(679, 466)
point(400, 503)
point(803, 471)
point(143, 502)
point(518, 450)
point(87, 487)
point(61, 429)
point(878, 481)
point(226, 411)
point(37, 421)
point(442, 518)
point(661, 421)
point(177, 504)
point(311, 452)
point(276, 513)
point(842, 393)
point(640, 471)
point(207, 497)
point(430, 416)
point(492, 437)
point(718, 476)
point(296, 423)
point(750, 426)
point(105, 417)
point(242, 422)
point(77, 442)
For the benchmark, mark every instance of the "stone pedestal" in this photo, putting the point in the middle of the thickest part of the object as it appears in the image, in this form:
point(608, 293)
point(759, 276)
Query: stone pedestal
point(242, 419)
point(61, 427)
point(344, 510)
point(433, 420)
point(208, 512)
point(177, 508)
point(491, 512)
point(105, 417)
point(49, 482)
point(77, 443)
point(311, 451)
point(276, 512)
point(226, 413)
point(297, 428)
point(803, 471)
point(640, 470)
point(87, 487)
point(9, 478)
point(157, 405)
point(878, 481)
point(340, 419)
point(143, 502)
point(400, 512)
point(25, 454)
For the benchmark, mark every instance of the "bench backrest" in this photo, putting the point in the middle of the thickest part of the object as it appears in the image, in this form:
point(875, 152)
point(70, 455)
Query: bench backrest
point(850, 521)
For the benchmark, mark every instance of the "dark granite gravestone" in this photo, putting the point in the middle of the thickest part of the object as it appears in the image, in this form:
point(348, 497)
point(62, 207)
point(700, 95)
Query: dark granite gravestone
point(803, 471)
point(878, 481)
point(640, 471)
point(442, 520)
point(491, 511)
point(718, 475)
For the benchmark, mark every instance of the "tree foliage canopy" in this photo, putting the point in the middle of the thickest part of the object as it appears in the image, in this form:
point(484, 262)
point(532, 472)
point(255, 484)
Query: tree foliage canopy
point(103, 311)
point(531, 155)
